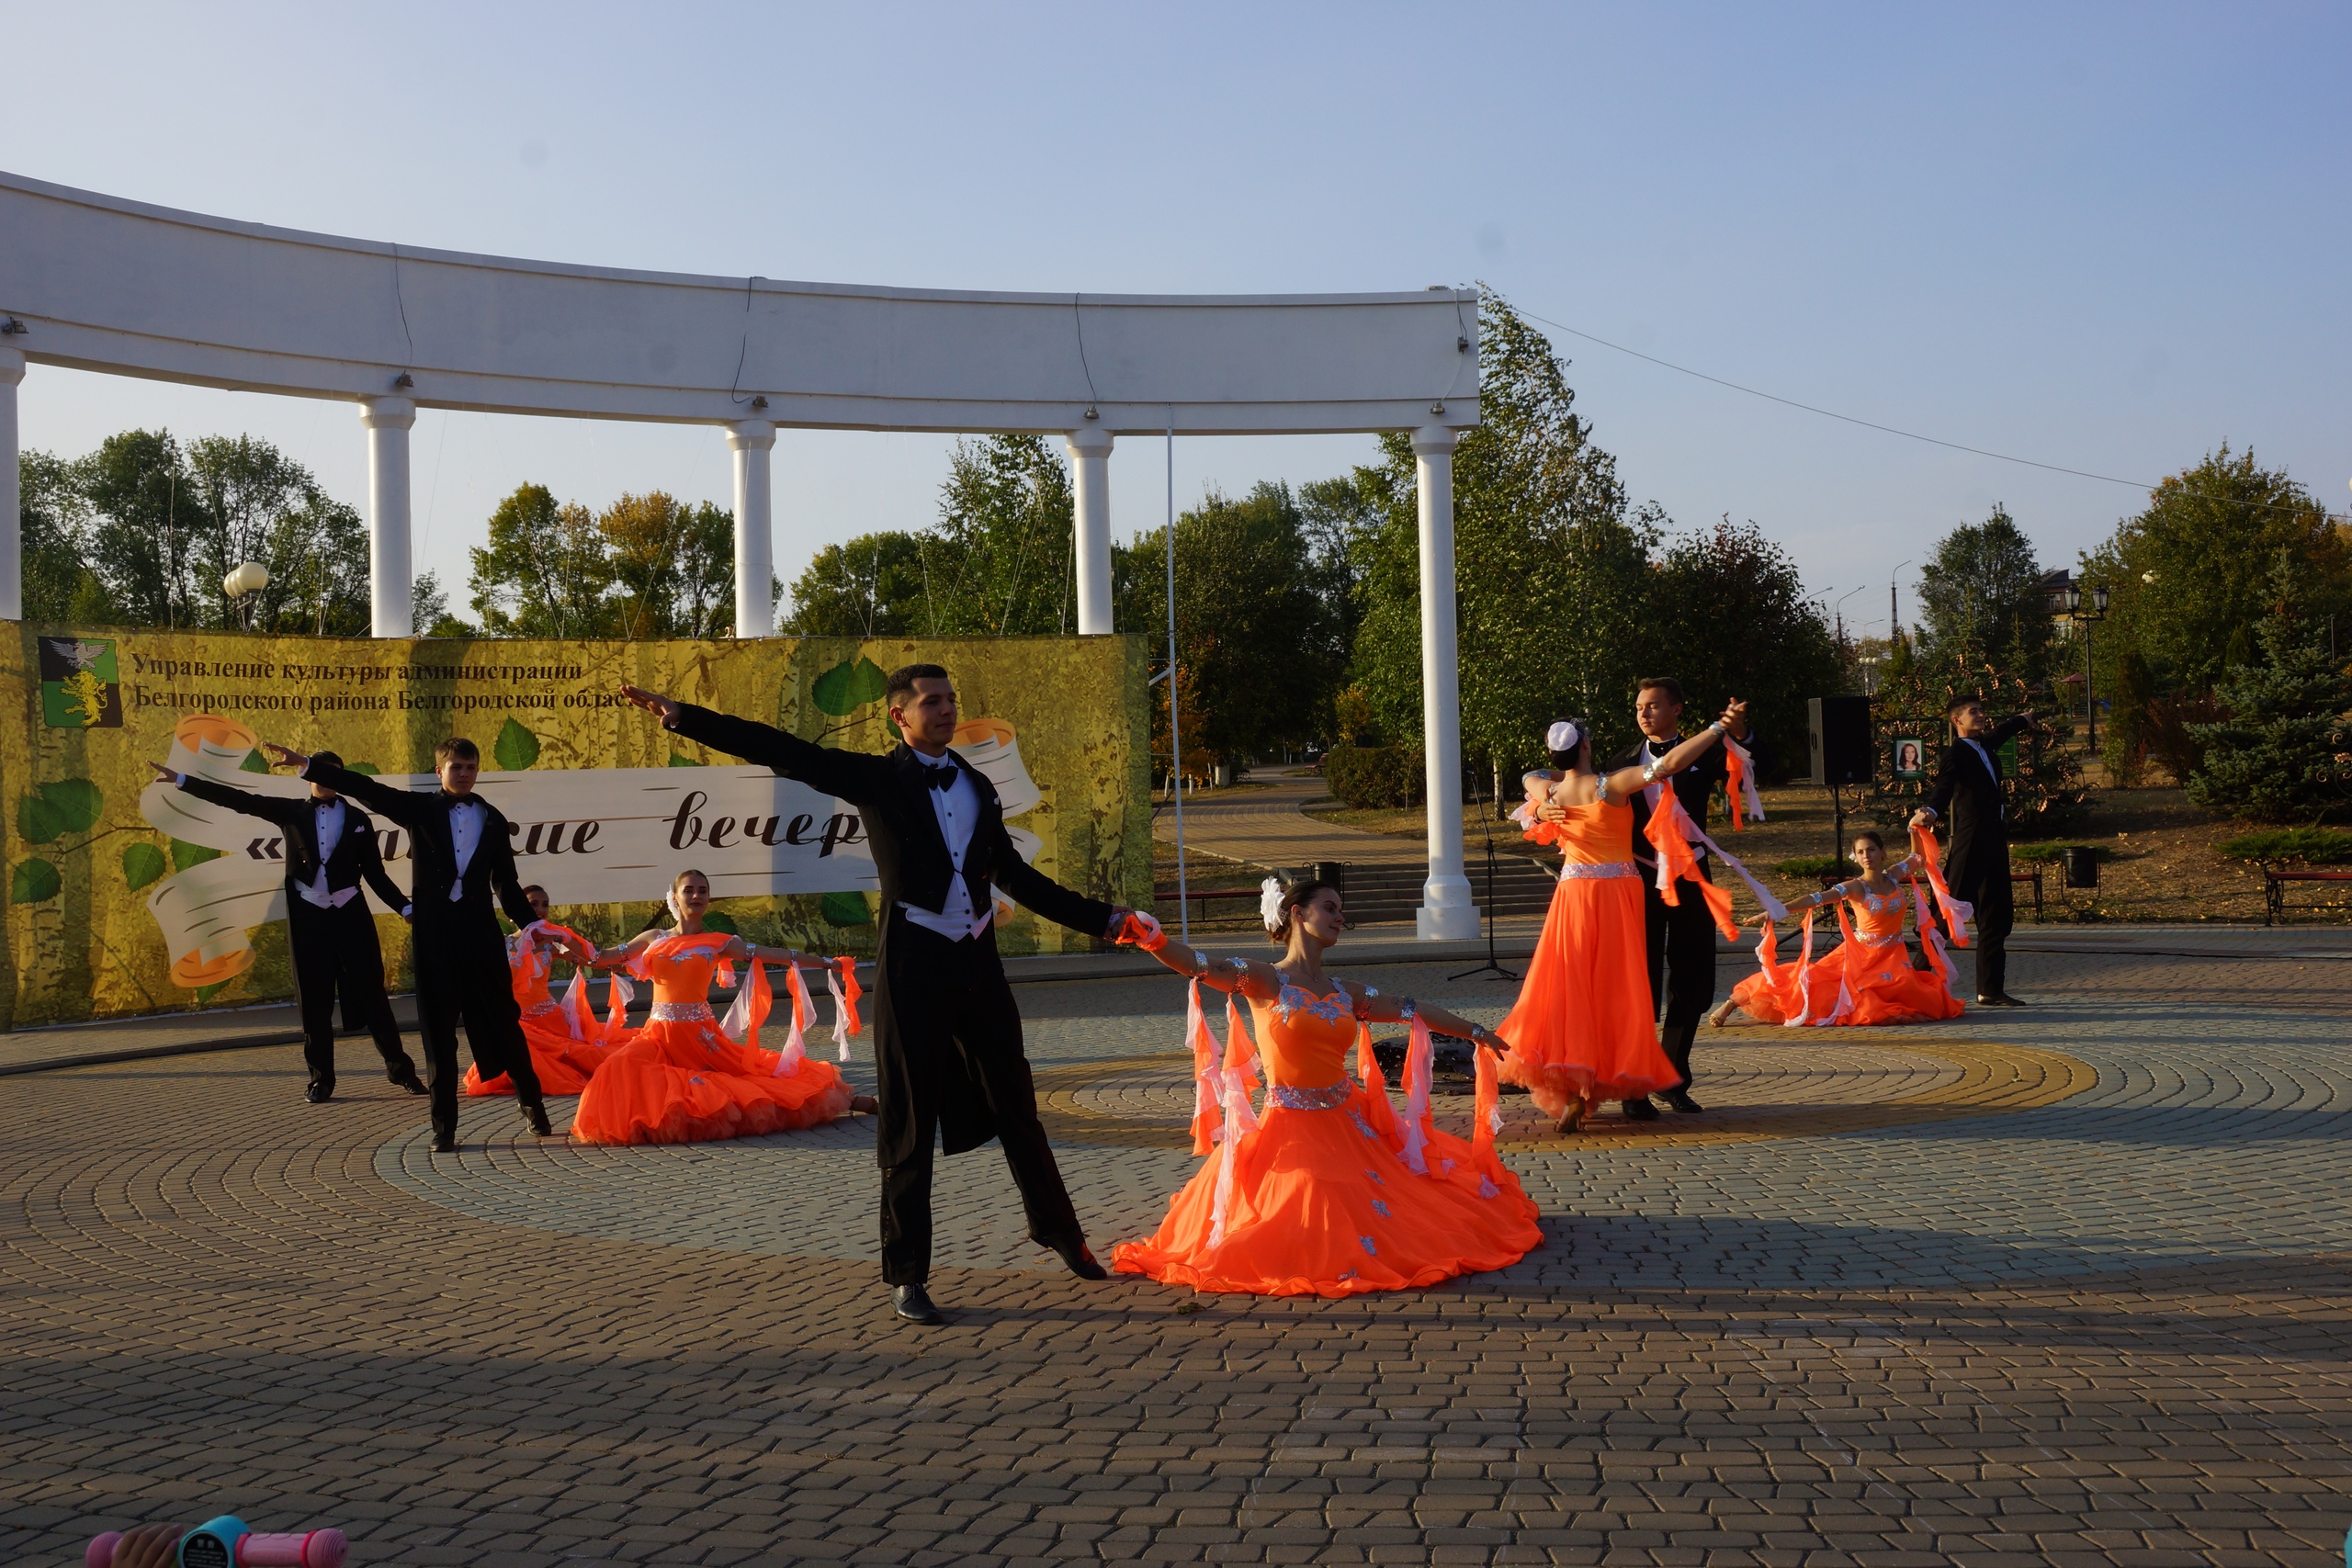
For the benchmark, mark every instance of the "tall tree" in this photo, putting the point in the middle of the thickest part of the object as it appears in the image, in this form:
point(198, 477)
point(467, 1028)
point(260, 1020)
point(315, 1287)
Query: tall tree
point(1551, 564)
point(1731, 605)
point(1981, 594)
point(546, 571)
point(875, 585)
point(53, 523)
point(144, 519)
point(2190, 576)
point(1260, 650)
point(1005, 515)
point(2278, 755)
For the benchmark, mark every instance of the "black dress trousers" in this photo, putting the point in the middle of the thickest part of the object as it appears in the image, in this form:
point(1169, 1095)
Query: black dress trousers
point(945, 1024)
point(462, 978)
point(335, 950)
point(1682, 949)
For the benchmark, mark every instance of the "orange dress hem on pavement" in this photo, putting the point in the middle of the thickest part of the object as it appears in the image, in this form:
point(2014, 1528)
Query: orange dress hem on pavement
point(564, 1062)
point(1319, 1196)
point(1866, 982)
point(1584, 1025)
point(679, 1080)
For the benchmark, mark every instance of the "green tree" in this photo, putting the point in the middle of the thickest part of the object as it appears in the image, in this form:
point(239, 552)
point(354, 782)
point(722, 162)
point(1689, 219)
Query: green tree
point(2279, 754)
point(53, 523)
point(1259, 649)
point(875, 585)
point(1981, 594)
point(429, 614)
point(547, 570)
point(1731, 606)
point(1551, 565)
point(1006, 521)
point(2189, 578)
point(673, 566)
point(144, 518)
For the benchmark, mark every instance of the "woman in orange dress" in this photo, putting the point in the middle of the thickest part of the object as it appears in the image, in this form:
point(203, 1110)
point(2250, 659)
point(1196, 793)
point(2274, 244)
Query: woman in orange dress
point(1331, 1191)
point(680, 1080)
point(1585, 1029)
point(565, 1050)
point(1869, 979)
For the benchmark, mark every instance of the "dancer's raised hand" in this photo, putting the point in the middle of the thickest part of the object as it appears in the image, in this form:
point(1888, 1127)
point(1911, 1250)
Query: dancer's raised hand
point(654, 703)
point(286, 757)
point(1735, 718)
point(165, 775)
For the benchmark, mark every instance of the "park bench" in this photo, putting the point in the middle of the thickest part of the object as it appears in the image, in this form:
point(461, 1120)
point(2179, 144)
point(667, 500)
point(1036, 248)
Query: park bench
point(2274, 887)
point(1197, 901)
point(2033, 872)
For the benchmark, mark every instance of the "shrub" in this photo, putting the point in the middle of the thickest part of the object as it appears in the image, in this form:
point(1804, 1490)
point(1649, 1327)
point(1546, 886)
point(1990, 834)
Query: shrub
point(2165, 730)
point(2313, 846)
point(1818, 865)
point(1373, 777)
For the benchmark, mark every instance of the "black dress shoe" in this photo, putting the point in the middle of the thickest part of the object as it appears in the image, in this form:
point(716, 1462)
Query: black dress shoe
point(445, 1143)
point(2006, 1000)
point(319, 1093)
point(1680, 1099)
point(411, 1083)
point(1640, 1110)
point(537, 1115)
point(1079, 1257)
point(913, 1304)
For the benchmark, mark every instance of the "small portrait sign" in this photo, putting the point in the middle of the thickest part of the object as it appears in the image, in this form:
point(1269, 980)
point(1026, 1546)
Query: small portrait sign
point(1910, 757)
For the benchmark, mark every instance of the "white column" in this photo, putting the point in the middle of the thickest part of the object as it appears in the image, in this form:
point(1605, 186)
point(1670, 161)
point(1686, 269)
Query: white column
point(1446, 909)
point(390, 572)
point(752, 440)
point(12, 543)
point(1090, 463)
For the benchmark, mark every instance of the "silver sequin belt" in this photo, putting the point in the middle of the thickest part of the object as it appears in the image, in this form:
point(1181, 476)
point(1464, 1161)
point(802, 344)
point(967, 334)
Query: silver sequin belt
point(682, 1012)
point(541, 1010)
point(1605, 871)
point(1290, 1098)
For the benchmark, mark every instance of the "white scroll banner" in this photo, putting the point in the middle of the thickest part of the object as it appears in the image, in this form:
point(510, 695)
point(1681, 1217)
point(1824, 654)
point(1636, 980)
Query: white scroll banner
point(587, 835)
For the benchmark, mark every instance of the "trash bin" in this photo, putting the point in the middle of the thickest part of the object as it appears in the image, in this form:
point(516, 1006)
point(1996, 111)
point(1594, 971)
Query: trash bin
point(1330, 871)
point(2081, 866)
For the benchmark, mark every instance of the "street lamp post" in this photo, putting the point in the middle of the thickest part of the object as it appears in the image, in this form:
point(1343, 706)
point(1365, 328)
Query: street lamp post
point(2068, 601)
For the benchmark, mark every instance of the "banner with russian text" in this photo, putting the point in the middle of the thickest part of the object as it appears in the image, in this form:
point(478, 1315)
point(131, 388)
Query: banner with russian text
point(125, 896)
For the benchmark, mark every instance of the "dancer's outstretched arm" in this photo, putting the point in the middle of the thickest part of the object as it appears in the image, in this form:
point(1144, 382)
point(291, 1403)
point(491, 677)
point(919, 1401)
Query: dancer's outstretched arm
point(405, 807)
point(853, 777)
point(1243, 976)
point(1625, 780)
point(1375, 1008)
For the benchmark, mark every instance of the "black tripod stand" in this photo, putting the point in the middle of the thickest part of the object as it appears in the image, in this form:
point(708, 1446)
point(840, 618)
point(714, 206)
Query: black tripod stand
point(1486, 827)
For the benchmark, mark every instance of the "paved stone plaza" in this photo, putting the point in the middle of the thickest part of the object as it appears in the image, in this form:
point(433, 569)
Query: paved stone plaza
point(2070, 1285)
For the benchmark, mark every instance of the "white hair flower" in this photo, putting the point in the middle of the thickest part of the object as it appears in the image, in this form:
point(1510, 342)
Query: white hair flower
point(1562, 737)
point(1270, 903)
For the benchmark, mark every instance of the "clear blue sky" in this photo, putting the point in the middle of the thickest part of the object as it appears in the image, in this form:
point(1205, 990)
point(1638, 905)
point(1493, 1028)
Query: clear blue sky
point(2109, 237)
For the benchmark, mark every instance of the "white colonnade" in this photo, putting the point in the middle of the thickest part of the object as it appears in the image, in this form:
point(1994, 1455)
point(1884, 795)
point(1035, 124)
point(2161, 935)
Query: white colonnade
point(96, 283)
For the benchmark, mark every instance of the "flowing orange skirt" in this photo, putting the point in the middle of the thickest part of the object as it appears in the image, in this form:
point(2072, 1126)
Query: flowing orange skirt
point(564, 1065)
point(1584, 1024)
point(1322, 1205)
point(681, 1081)
point(1879, 982)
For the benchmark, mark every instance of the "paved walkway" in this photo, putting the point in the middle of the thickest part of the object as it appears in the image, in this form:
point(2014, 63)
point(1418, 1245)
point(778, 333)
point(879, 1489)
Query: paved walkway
point(2068, 1285)
point(1267, 827)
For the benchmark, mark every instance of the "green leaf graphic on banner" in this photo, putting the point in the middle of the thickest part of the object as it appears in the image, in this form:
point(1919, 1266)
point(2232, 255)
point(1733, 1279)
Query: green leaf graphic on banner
point(33, 881)
point(371, 769)
point(185, 855)
point(205, 993)
point(515, 748)
point(37, 821)
point(712, 921)
point(77, 802)
point(143, 863)
point(849, 685)
point(846, 910)
point(254, 763)
point(678, 762)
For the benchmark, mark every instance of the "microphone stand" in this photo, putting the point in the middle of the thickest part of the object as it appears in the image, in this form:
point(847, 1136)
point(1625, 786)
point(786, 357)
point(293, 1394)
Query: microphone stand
point(1486, 829)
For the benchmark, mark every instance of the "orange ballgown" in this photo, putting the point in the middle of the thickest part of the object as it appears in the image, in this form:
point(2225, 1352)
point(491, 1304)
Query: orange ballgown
point(1584, 1024)
point(679, 1080)
point(1868, 980)
point(1321, 1196)
point(564, 1063)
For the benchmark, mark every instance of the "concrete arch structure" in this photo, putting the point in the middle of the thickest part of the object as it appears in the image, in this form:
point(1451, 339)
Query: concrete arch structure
point(96, 283)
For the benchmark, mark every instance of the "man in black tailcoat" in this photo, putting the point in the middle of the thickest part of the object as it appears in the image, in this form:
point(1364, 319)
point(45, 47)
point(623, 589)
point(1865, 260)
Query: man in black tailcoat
point(947, 1047)
point(330, 849)
point(1681, 936)
point(1965, 802)
point(463, 860)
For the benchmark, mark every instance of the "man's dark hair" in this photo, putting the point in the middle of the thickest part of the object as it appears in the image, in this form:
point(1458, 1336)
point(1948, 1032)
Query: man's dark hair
point(1666, 684)
point(902, 680)
point(326, 759)
point(456, 746)
point(534, 887)
point(1961, 700)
